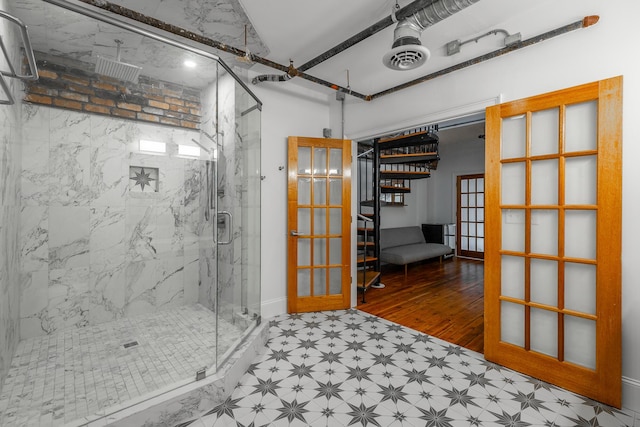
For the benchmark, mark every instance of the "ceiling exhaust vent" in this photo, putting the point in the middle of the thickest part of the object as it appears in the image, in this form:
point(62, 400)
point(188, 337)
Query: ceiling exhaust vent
point(118, 69)
point(407, 52)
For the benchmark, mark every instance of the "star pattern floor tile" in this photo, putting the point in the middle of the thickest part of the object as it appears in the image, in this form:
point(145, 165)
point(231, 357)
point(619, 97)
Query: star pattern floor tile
point(349, 368)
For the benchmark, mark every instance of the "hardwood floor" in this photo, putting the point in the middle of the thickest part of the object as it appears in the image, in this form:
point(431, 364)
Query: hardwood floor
point(445, 300)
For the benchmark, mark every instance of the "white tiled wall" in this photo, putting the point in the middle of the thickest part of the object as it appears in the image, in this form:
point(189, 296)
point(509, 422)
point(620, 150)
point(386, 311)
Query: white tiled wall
point(92, 251)
point(10, 154)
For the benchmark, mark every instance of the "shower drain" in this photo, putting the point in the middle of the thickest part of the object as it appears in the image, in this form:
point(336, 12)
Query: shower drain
point(131, 344)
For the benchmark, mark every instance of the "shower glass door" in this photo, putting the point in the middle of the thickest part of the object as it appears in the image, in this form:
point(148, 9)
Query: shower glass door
point(237, 214)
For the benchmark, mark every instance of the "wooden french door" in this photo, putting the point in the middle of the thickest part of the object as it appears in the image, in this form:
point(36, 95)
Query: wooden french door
point(319, 224)
point(553, 238)
point(470, 216)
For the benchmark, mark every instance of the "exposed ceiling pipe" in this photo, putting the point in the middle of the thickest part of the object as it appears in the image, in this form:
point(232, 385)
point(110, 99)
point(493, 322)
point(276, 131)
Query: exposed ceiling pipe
point(407, 52)
point(128, 13)
point(405, 12)
point(587, 21)
point(147, 20)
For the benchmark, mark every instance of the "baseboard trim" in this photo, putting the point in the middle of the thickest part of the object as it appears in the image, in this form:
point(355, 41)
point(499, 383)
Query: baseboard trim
point(273, 307)
point(631, 394)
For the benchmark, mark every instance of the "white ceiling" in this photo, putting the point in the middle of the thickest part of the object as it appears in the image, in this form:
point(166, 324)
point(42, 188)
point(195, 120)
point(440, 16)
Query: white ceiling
point(299, 30)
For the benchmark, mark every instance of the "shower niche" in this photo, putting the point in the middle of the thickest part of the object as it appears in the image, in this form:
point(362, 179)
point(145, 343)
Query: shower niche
point(118, 242)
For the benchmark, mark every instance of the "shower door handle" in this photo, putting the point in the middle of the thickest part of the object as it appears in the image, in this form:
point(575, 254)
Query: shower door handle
point(229, 225)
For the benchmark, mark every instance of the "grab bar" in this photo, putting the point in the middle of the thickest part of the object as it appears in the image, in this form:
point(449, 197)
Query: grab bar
point(12, 70)
point(28, 51)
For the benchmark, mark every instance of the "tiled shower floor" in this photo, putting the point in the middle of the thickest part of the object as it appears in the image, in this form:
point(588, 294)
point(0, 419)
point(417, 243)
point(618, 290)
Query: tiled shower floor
point(56, 379)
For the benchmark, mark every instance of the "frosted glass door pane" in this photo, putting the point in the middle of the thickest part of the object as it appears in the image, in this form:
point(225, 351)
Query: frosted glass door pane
point(544, 182)
point(514, 137)
point(320, 161)
point(319, 191)
point(472, 215)
point(512, 277)
point(335, 191)
point(319, 251)
point(335, 251)
point(580, 234)
point(480, 185)
point(580, 341)
point(335, 161)
point(304, 160)
point(472, 244)
point(335, 281)
point(513, 183)
point(544, 332)
point(304, 221)
point(480, 200)
point(304, 252)
point(472, 200)
point(335, 221)
point(544, 232)
point(544, 282)
point(304, 282)
point(480, 245)
point(480, 229)
point(581, 126)
point(472, 230)
point(320, 281)
point(319, 221)
point(464, 229)
point(512, 323)
point(304, 191)
point(464, 243)
point(464, 186)
point(464, 213)
point(544, 132)
point(580, 287)
point(580, 180)
point(464, 200)
point(472, 186)
point(480, 215)
point(513, 230)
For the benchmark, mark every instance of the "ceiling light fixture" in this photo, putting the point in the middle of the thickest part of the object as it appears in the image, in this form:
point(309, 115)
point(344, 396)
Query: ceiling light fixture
point(189, 64)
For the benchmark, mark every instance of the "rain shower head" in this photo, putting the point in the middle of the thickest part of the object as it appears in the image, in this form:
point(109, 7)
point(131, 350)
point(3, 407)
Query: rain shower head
point(116, 68)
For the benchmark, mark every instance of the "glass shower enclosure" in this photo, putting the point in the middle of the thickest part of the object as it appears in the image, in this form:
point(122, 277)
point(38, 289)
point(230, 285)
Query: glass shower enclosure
point(132, 203)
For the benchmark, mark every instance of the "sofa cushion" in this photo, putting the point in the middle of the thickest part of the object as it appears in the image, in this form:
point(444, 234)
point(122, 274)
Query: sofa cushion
point(400, 236)
point(407, 254)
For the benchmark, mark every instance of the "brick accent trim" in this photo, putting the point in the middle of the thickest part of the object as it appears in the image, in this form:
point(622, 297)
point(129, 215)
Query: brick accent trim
point(150, 101)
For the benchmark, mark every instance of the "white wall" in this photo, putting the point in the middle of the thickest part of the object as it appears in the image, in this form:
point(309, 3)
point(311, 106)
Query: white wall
point(456, 158)
point(602, 51)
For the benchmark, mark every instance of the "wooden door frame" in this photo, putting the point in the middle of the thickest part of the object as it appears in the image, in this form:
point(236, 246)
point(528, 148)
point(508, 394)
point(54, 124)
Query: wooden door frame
point(458, 178)
point(608, 372)
point(327, 302)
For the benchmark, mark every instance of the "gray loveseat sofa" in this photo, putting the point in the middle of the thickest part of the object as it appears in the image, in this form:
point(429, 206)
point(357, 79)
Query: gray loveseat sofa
point(404, 245)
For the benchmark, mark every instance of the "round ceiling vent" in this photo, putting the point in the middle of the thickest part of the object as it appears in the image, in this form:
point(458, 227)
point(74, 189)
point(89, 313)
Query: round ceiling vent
point(406, 57)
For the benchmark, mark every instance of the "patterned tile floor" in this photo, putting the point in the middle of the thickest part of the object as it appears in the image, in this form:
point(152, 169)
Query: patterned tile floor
point(59, 378)
point(348, 368)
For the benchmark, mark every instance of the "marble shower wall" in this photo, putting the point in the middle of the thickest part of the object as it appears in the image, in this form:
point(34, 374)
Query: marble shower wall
point(10, 154)
point(94, 247)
